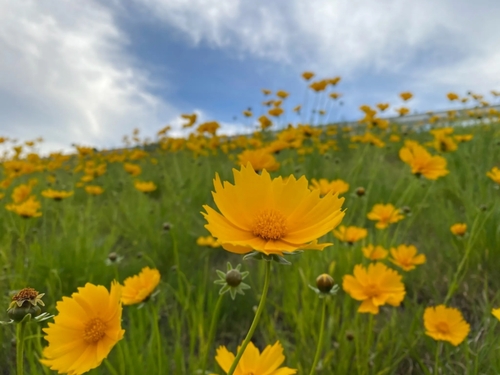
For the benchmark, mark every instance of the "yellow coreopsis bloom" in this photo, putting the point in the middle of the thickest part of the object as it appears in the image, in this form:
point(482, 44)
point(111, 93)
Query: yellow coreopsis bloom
point(208, 241)
point(253, 362)
point(385, 214)
point(422, 163)
point(94, 190)
point(374, 252)
point(145, 186)
point(260, 159)
point(269, 215)
point(496, 313)
point(85, 330)
point(382, 106)
point(21, 193)
point(458, 229)
point(494, 174)
point(28, 208)
point(324, 186)
point(132, 169)
point(138, 288)
point(56, 195)
point(307, 75)
point(350, 234)
point(406, 95)
point(445, 324)
point(406, 257)
point(375, 286)
point(276, 112)
point(282, 94)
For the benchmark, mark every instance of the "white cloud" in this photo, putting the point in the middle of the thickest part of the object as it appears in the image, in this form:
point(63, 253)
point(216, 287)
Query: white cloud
point(65, 76)
point(348, 37)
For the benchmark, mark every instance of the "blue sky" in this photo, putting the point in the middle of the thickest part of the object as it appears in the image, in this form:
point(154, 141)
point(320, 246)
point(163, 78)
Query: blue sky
point(89, 72)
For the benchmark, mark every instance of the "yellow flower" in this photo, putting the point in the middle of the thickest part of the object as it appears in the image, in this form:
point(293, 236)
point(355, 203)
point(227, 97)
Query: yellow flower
point(21, 193)
point(56, 195)
point(307, 75)
point(282, 94)
point(496, 313)
point(324, 186)
point(406, 95)
point(255, 363)
point(452, 96)
point(375, 286)
point(269, 215)
point(384, 214)
point(132, 169)
point(402, 111)
point(266, 92)
point(94, 190)
point(28, 208)
point(406, 257)
point(382, 106)
point(350, 234)
point(458, 229)
point(138, 288)
point(264, 122)
point(145, 186)
point(260, 159)
point(422, 163)
point(276, 112)
point(85, 330)
point(445, 324)
point(374, 252)
point(208, 241)
point(494, 174)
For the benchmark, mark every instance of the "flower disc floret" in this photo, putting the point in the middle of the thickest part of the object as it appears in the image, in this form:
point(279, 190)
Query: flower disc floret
point(271, 216)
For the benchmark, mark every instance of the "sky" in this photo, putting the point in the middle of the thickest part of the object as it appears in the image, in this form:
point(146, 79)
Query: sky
point(89, 72)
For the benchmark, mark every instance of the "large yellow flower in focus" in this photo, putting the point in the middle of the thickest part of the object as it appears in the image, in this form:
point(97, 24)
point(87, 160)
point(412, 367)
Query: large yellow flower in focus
point(137, 289)
point(445, 324)
point(270, 215)
point(255, 363)
point(85, 330)
point(375, 287)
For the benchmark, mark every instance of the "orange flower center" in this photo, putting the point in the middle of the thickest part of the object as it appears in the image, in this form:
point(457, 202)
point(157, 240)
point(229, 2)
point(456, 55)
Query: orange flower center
point(372, 290)
point(442, 327)
point(94, 331)
point(270, 225)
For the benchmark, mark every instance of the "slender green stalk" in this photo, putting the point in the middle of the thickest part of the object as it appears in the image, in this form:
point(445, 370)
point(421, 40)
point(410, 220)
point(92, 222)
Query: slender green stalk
point(369, 340)
point(255, 321)
point(156, 329)
point(20, 331)
point(211, 333)
point(436, 358)
point(320, 339)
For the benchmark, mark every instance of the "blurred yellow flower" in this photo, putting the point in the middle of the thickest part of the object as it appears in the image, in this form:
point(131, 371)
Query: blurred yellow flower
point(406, 95)
point(276, 112)
point(145, 186)
point(324, 186)
point(307, 75)
point(269, 215)
point(375, 286)
point(445, 324)
point(138, 288)
point(385, 214)
point(406, 257)
point(255, 363)
point(494, 174)
point(56, 195)
point(496, 313)
point(374, 252)
point(132, 169)
point(259, 159)
point(382, 106)
point(266, 92)
point(85, 330)
point(282, 94)
point(21, 193)
point(29, 208)
point(207, 241)
point(452, 96)
point(350, 234)
point(458, 229)
point(422, 163)
point(94, 190)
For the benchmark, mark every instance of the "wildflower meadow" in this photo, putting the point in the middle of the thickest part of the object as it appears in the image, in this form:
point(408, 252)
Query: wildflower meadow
point(301, 246)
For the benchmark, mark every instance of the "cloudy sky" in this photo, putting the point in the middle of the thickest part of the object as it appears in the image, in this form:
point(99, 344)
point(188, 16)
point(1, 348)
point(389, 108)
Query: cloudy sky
point(88, 72)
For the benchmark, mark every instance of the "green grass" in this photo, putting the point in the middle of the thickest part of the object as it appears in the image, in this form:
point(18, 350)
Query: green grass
point(69, 244)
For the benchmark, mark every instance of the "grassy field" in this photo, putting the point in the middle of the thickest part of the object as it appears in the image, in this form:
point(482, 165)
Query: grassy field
point(111, 236)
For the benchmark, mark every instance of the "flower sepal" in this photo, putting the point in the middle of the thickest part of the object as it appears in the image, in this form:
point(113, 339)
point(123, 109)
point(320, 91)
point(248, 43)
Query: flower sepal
point(256, 255)
point(231, 281)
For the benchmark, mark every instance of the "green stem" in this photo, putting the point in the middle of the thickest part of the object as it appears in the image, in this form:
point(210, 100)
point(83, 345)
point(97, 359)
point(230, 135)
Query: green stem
point(255, 321)
point(369, 341)
point(436, 358)
point(211, 333)
point(158, 337)
point(320, 339)
point(20, 331)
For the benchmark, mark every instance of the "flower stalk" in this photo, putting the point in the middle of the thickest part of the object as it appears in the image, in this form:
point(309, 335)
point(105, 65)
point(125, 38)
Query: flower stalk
point(255, 320)
point(320, 339)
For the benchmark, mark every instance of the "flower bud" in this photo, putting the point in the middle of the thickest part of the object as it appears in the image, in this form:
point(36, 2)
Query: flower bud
point(324, 283)
point(25, 302)
point(233, 278)
point(360, 191)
